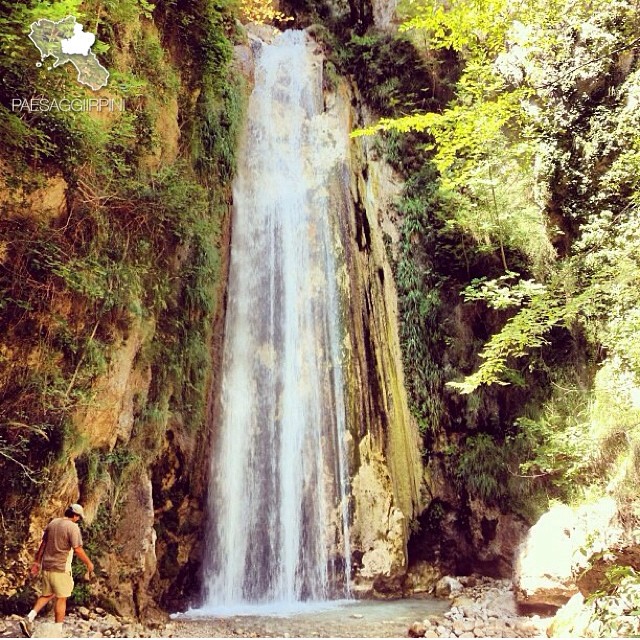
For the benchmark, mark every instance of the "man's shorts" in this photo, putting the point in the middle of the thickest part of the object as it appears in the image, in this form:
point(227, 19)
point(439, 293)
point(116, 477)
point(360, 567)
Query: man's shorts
point(58, 583)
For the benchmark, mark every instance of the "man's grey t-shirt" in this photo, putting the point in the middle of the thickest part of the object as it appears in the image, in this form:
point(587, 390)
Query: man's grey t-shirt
point(62, 535)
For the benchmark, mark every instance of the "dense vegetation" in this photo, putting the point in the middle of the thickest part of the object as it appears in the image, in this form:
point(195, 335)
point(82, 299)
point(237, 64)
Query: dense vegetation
point(529, 182)
point(134, 253)
point(519, 266)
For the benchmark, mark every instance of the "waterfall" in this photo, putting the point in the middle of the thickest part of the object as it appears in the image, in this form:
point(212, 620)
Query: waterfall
point(279, 482)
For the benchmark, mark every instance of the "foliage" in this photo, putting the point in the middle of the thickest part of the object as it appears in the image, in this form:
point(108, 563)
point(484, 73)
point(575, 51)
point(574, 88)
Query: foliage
point(489, 125)
point(200, 28)
point(81, 594)
point(262, 12)
point(502, 294)
point(616, 606)
point(488, 469)
point(577, 441)
point(135, 248)
point(522, 333)
point(468, 27)
point(419, 301)
point(597, 287)
point(215, 131)
point(389, 72)
point(487, 179)
point(535, 192)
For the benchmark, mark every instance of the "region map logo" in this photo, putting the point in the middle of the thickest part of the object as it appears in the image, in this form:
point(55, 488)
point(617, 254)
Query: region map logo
point(66, 41)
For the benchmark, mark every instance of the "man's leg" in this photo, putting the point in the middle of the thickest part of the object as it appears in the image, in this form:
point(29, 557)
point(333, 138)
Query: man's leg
point(26, 624)
point(41, 602)
point(60, 609)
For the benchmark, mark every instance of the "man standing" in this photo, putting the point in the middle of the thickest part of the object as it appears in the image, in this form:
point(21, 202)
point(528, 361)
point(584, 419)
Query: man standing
point(60, 540)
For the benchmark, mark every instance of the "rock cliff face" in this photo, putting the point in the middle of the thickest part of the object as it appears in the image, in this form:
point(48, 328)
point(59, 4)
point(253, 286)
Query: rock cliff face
point(385, 454)
point(144, 525)
point(384, 14)
point(96, 379)
point(404, 514)
point(567, 551)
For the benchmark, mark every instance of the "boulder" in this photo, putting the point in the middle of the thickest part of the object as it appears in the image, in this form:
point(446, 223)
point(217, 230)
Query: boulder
point(84, 613)
point(468, 581)
point(571, 620)
point(462, 626)
point(447, 587)
point(417, 630)
point(390, 586)
point(542, 572)
point(49, 629)
point(423, 576)
point(558, 548)
point(502, 603)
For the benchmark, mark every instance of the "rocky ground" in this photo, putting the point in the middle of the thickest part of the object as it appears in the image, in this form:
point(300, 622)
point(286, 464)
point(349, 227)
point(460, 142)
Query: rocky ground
point(84, 623)
point(480, 608)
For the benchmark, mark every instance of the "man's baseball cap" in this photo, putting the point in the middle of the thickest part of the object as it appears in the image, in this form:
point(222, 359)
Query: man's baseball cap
point(77, 509)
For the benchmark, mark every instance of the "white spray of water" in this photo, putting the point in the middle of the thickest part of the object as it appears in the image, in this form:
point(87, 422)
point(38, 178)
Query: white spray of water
point(279, 492)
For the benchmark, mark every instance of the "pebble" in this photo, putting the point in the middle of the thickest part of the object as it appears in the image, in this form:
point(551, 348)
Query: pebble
point(357, 616)
point(457, 627)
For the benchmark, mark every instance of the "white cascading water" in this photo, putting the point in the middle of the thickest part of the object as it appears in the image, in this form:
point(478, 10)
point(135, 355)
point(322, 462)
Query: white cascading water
point(279, 488)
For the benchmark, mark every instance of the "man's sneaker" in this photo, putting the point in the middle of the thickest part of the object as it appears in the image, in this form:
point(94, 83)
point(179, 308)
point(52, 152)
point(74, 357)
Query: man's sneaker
point(26, 626)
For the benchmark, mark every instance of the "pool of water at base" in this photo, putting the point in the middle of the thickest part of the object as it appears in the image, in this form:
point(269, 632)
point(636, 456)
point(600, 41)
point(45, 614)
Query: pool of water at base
point(344, 618)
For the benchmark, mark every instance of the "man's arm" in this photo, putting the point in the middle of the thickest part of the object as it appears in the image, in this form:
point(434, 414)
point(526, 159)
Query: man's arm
point(35, 567)
point(79, 551)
